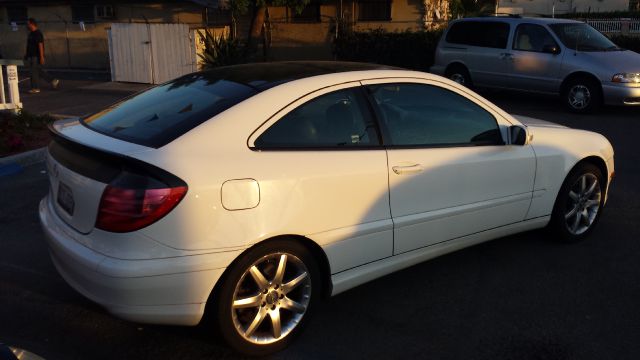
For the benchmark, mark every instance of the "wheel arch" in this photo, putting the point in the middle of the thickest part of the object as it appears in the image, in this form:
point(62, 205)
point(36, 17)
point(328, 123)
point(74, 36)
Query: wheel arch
point(577, 75)
point(312, 246)
point(454, 64)
point(600, 164)
point(594, 160)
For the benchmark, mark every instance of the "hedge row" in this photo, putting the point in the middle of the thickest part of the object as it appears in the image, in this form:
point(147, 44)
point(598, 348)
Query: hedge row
point(412, 50)
point(627, 42)
point(409, 49)
point(601, 15)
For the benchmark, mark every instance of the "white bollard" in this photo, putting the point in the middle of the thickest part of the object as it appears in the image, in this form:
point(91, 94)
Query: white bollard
point(12, 86)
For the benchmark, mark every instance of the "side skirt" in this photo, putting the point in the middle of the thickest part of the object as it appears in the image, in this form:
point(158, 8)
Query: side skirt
point(351, 278)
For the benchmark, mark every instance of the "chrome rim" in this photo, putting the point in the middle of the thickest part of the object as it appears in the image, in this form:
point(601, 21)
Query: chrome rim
point(583, 204)
point(459, 78)
point(277, 287)
point(579, 97)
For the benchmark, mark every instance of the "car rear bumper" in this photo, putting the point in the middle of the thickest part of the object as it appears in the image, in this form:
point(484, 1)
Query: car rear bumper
point(160, 291)
point(621, 95)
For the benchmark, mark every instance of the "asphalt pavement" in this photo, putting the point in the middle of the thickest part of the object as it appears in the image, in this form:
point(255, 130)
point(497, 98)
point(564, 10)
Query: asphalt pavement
point(519, 297)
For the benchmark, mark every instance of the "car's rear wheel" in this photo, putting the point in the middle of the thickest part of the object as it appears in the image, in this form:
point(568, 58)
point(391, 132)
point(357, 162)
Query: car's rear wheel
point(579, 203)
point(582, 95)
point(267, 296)
point(459, 74)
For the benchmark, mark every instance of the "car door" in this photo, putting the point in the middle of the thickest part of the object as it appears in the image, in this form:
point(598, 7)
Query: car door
point(450, 172)
point(324, 171)
point(536, 59)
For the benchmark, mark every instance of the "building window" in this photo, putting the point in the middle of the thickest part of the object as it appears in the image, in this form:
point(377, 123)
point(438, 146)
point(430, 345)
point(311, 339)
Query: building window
point(217, 17)
point(310, 13)
point(17, 14)
point(104, 12)
point(83, 13)
point(374, 10)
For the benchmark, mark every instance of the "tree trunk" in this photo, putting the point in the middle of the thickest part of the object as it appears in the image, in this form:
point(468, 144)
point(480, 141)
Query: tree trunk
point(255, 35)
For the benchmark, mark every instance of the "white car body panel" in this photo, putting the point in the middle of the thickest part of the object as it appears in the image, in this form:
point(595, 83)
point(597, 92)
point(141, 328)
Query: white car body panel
point(343, 200)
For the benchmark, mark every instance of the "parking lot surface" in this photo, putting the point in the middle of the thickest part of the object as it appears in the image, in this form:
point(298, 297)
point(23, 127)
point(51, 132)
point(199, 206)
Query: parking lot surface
point(519, 297)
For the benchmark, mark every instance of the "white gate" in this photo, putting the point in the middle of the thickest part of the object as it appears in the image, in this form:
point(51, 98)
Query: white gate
point(150, 53)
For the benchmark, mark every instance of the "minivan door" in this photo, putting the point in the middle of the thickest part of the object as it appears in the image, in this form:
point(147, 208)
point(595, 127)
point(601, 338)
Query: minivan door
point(482, 47)
point(535, 60)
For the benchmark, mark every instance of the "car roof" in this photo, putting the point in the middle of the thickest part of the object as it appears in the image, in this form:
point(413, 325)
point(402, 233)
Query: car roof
point(518, 20)
point(262, 76)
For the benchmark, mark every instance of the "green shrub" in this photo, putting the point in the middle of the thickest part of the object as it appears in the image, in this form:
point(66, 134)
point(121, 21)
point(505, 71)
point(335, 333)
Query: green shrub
point(221, 50)
point(19, 129)
point(408, 49)
point(627, 42)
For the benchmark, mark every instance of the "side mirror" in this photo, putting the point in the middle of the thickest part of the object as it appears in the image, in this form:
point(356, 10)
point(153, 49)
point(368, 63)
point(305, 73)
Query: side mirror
point(551, 49)
point(517, 135)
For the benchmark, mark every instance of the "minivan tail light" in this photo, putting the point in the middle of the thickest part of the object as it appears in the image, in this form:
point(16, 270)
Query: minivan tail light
point(125, 208)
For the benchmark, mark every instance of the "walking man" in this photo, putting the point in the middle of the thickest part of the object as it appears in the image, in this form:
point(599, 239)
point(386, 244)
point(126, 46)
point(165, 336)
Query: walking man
point(35, 58)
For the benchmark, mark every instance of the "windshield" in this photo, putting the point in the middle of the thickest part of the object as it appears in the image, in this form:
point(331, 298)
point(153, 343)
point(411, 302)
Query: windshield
point(582, 37)
point(158, 116)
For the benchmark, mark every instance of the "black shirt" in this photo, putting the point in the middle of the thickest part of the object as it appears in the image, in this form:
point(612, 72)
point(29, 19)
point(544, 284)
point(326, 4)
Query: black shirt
point(33, 40)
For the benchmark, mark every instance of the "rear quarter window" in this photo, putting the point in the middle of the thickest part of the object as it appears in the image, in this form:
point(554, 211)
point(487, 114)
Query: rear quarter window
point(162, 114)
point(491, 34)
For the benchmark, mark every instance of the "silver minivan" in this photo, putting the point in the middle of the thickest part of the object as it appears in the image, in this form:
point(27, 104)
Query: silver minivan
point(544, 55)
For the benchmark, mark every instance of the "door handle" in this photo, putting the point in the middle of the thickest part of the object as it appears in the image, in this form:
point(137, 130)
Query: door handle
point(407, 170)
point(506, 56)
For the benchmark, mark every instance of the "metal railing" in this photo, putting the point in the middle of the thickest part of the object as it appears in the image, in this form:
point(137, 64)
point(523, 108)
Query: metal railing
point(10, 69)
point(615, 26)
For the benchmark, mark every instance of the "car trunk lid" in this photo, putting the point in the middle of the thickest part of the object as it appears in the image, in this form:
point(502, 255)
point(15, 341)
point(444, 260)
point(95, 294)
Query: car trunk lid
point(81, 163)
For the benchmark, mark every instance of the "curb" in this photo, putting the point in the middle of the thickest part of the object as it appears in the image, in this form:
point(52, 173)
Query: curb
point(13, 164)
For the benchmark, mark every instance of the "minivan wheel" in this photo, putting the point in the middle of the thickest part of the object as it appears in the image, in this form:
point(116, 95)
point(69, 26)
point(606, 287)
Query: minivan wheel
point(579, 203)
point(266, 297)
point(582, 95)
point(460, 75)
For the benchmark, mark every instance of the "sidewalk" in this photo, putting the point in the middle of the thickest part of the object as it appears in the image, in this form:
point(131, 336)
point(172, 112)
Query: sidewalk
point(75, 97)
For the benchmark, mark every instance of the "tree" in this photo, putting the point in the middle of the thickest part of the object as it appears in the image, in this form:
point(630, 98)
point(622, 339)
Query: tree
point(466, 8)
point(258, 9)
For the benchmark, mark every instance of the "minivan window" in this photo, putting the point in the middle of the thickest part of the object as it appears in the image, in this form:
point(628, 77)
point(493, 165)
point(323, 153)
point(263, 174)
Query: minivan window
point(491, 34)
point(532, 37)
point(158, 116)
point(582, 37)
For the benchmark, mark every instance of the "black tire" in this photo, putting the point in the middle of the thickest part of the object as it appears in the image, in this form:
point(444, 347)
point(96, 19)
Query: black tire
point(582, 95)
point(562, 225)
point(238, 277)
point(459, 74)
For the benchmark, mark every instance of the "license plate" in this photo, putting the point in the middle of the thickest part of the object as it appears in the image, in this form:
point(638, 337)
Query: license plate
point(65, 198)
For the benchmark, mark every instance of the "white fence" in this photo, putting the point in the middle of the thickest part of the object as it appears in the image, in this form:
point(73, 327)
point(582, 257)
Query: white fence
point(9, 67)
point(616, 26)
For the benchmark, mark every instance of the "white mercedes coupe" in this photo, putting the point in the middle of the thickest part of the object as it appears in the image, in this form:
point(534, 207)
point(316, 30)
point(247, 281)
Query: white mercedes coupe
point(253, 191)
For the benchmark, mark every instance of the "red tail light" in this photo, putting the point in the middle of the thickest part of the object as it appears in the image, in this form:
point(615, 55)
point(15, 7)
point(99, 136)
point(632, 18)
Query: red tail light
point(128, 208)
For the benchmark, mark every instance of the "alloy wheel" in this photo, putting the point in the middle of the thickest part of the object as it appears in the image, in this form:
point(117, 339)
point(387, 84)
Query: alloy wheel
point(583, 204)
point(579, 97)
point(275, 287)
point(459, 78)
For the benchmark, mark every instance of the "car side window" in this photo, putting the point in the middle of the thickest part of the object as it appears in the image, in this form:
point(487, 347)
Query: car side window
point(426, 115)
point(490, 34)
point(531, 37)
point(337, 119)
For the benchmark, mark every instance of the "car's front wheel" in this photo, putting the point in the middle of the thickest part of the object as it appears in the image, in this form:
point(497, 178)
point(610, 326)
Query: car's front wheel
point(579, 203)
point(582, 95)
point(267, 296)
